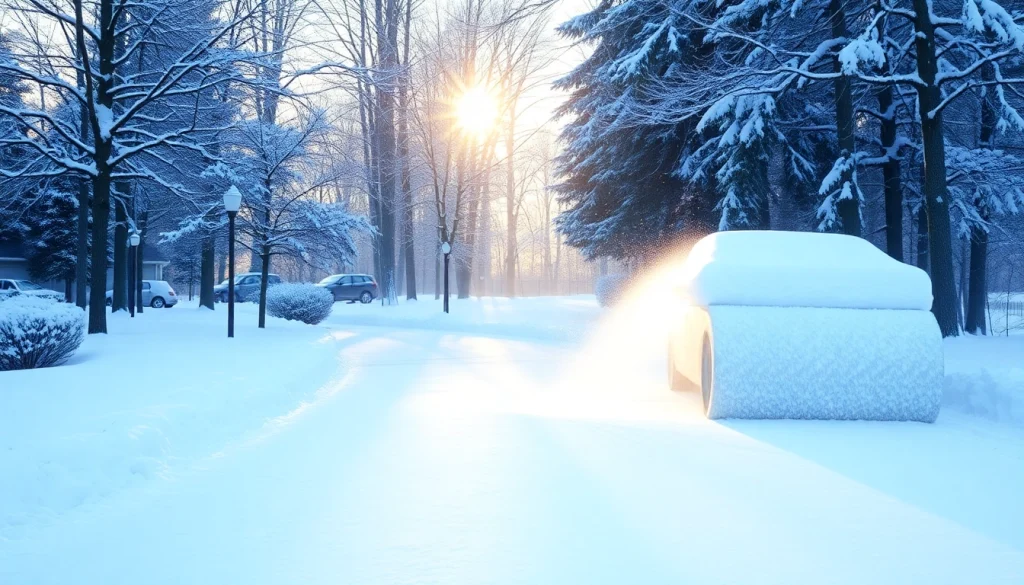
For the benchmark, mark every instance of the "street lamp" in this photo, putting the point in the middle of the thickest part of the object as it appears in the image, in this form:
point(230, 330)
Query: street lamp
point(232, 201)
point(446, 249)
point(134, 240)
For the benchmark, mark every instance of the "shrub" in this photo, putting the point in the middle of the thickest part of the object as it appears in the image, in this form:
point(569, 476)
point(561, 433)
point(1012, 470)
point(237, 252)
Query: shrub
point(610, 288)
point(38, 332)
point(308, 303)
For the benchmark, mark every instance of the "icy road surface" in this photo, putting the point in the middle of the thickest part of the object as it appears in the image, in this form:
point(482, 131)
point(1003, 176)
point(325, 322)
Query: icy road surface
point(504, 453)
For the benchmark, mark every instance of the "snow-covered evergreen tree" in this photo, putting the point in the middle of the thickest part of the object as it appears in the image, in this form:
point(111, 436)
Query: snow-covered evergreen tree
point(618, 181)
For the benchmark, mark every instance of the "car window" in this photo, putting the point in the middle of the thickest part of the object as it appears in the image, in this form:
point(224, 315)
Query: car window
point(366, 279)
point(26, 285)
point(273, 279)
point(4, 285)
point(251, 280)
point(329, 280)
point(145, 286)
point(346, 280)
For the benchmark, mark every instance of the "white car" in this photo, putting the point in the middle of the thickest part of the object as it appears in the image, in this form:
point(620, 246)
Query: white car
point(155, 293)
point(11, 286)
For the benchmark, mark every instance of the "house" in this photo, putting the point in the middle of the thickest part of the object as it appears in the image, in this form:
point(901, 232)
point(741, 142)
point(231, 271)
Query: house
point(14, 265)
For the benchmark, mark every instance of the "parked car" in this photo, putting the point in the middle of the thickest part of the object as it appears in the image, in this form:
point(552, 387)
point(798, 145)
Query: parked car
point(10, 286)
point(351, 287)
point(245, 285)
point(155, 293)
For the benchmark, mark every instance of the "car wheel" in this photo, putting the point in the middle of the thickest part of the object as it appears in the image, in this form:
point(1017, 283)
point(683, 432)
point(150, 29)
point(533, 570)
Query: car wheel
point(366, 297)
point(675, 381)
point(707, 374)
point(157, 303)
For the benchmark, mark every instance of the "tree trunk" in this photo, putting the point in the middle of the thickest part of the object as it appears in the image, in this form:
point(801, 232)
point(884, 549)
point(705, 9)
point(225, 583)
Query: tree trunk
point(100, 219)
point(139, 259)
point(977, 290)
point(265, 274)
point(510, 209)
point(936, 197)
point(849, 209)
point(120, 296)
point(206, 273)
point(891, 176)
point(408, 224)
point(923, 258)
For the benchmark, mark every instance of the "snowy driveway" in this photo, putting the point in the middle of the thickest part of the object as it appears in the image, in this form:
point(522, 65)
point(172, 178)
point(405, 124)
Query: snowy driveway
point(454, 457)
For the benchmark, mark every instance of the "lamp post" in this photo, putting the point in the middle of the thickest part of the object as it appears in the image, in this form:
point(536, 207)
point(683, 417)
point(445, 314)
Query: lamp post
point(134, 240)
point(446, 249)
point(232, 201)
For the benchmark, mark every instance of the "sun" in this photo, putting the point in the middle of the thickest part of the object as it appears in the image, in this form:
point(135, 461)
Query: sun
point(476, 110)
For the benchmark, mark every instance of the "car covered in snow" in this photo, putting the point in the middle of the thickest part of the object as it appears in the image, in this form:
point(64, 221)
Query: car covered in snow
point(351, 287)
point(245, 285)
point(12, 287)
point(155, 293)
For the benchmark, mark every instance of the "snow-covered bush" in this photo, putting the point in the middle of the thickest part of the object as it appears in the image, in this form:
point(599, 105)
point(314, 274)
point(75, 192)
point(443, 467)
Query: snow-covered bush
point(308, 303)
point(37, 332)
point(610, 288)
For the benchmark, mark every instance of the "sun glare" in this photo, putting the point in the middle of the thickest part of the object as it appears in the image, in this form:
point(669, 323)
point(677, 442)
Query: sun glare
point(476, 110)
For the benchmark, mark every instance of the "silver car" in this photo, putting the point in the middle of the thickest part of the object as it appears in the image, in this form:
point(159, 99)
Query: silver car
point(245, 285)
point(155, 293)
point(351, 287)
point(11, 286)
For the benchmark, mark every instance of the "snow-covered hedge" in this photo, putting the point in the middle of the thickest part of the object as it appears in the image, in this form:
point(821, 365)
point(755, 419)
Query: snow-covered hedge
point(610, 288)
point(308, 303)
point(37, 332)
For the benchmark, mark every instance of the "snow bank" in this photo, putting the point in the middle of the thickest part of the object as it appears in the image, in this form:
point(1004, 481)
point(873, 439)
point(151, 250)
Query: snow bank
point(151, 400)
point(38, 332)
point(800, 269)
point(985, 377)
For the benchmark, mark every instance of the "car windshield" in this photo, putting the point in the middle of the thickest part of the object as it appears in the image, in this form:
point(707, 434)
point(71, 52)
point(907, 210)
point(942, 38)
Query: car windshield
point(28, 285)
point(329, 279)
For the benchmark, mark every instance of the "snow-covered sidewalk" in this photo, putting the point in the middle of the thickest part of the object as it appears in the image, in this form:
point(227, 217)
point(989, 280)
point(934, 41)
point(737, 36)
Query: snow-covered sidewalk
point(520, 442)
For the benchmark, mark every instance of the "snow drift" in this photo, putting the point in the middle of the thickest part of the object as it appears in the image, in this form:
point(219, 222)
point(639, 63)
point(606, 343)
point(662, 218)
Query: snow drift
point(808, 326)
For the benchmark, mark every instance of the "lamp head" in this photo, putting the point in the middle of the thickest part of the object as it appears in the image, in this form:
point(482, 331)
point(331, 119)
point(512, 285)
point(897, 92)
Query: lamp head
point(232, 199)
point(134, 239)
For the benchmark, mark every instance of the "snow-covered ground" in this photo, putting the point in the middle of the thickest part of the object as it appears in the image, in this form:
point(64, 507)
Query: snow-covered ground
point(513, 441)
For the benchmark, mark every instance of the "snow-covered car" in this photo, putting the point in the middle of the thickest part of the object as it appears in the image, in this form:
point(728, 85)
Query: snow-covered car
point(245, 285)
point(805, 326)
point(10, 286)
point(155, 293)
point(351, 287)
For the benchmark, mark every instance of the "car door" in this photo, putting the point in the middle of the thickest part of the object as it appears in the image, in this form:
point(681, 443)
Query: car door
point(335, 288)
point(147, 293)
point(345, 288)
point(249, 284)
